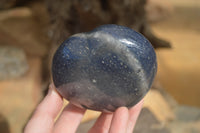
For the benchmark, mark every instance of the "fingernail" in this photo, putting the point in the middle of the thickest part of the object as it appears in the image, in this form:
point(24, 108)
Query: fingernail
point(52, 89)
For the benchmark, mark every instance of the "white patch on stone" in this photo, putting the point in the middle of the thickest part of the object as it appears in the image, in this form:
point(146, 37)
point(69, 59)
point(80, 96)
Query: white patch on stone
point(94, 81)
point(117, 45)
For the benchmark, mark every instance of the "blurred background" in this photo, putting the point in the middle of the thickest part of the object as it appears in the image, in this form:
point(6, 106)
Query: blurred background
point(26, 32)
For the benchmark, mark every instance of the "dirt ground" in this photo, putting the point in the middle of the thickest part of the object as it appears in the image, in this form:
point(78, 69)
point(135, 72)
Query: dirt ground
point(178, 68)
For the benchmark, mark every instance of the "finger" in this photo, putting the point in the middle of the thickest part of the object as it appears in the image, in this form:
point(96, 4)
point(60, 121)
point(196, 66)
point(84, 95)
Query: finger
point(69, 119)
point(133, 115)
point(43, 118)
point(102, 125)
point(119, 121)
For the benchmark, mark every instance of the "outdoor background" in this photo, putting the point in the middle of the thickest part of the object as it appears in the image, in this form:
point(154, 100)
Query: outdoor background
point(172, 105)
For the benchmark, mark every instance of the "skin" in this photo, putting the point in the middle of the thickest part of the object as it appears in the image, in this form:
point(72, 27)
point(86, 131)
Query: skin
point(123, 120)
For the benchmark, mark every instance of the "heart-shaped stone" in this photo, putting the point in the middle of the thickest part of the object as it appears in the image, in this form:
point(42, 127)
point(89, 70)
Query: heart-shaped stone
point(109, 67)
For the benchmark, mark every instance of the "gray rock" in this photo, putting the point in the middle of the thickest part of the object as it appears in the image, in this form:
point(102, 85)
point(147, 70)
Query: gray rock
point(148, 123)
point(187, 113)
point(13, 62)
point(184, 127)
point(187, 120)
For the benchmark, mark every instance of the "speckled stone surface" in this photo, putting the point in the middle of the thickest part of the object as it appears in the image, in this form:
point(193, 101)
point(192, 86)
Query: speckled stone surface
point(104, 69)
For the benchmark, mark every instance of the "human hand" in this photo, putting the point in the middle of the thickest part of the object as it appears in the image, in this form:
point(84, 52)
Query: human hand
point(43, 119)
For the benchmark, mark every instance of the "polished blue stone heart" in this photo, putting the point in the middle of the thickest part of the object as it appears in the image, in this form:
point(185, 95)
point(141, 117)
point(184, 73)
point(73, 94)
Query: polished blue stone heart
point(109, 67)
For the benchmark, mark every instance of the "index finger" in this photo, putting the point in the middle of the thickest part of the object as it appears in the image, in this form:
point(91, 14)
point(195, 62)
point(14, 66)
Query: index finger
point(42, 120)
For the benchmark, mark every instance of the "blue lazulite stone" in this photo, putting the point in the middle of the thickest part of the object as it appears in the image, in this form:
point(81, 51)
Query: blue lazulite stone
point(109, 67)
